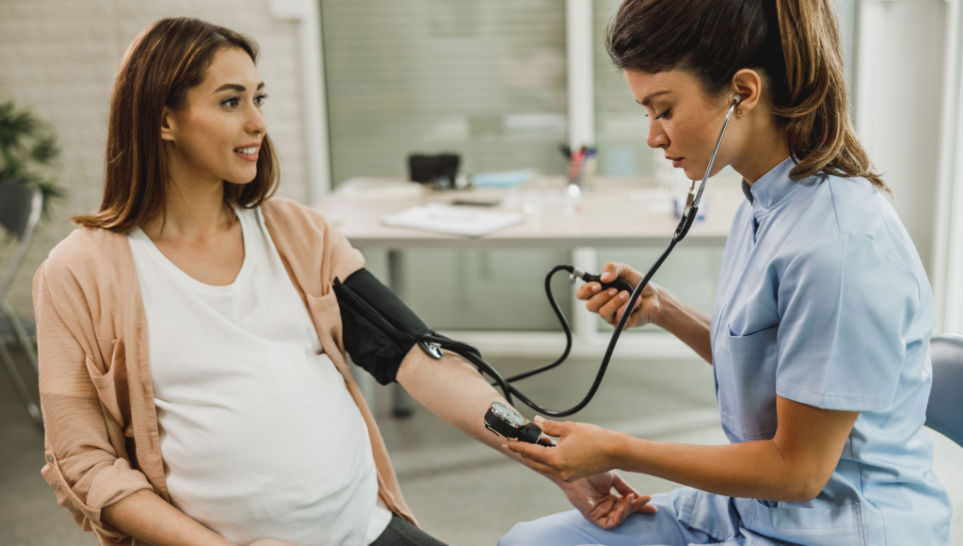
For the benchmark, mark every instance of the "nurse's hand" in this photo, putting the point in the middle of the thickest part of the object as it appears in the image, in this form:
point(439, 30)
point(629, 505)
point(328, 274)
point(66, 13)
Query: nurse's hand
point(605, 499)
point(578, 452)
point(611, 304)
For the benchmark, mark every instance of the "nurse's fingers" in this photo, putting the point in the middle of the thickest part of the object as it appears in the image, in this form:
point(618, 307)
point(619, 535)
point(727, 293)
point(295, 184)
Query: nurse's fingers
point(612, 310)
point(588, 290)
point(609, 304)
point(610, 307)
point(531, 457)
point(600, 298)
point(624, 300)
point(614, 270)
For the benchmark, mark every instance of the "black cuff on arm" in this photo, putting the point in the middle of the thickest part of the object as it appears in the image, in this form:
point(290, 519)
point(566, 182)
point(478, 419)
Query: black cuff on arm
point(378, 328)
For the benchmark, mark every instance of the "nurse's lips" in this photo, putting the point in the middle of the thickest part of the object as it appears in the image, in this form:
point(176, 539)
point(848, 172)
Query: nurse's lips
point(676, 161)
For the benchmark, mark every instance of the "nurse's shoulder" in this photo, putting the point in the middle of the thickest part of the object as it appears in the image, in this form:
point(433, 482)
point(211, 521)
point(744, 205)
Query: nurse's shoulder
point(863, 211)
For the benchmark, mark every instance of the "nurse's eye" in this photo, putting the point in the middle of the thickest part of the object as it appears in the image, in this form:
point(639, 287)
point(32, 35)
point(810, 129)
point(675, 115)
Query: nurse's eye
point(231, 102)
point(666, 114)
point(260, 99)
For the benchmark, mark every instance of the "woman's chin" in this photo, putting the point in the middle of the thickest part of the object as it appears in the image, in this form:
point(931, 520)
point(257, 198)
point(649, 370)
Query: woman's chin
point(241, 180)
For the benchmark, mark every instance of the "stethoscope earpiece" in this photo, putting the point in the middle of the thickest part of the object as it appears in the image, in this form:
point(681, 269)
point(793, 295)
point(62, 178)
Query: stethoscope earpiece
point(736, 99)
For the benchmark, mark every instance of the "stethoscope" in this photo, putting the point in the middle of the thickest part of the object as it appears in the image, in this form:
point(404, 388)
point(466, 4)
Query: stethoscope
point(689, 214)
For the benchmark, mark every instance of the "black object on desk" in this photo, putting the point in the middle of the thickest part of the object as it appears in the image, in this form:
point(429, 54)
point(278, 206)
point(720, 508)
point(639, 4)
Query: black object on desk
point(439, 170)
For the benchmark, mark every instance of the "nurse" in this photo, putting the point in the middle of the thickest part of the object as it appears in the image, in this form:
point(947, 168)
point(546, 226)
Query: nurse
point(819, 336)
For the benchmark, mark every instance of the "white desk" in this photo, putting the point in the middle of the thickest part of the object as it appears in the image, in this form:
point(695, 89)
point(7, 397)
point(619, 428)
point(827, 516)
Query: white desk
point(613, 212)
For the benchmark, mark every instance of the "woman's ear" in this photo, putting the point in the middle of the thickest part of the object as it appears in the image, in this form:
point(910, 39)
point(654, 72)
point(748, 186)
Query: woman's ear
point(747, 83)
point(168, 124)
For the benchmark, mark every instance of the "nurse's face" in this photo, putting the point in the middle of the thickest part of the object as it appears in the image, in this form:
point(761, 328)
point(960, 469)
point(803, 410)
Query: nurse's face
point(217, 135)
point(683, 120)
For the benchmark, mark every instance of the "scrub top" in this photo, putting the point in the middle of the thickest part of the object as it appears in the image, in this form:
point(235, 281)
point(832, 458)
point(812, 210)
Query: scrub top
point(823, 300)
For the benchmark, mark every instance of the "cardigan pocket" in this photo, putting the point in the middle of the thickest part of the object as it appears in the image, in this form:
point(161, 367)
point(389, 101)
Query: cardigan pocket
point(326, 317)
point(111, 383)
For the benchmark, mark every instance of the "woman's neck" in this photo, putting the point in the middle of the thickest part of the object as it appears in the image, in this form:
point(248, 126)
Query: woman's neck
point(192, 212)
point(765, 147)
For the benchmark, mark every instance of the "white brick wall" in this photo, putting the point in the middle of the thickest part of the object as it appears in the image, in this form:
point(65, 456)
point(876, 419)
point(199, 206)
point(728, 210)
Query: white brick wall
point(59, 57)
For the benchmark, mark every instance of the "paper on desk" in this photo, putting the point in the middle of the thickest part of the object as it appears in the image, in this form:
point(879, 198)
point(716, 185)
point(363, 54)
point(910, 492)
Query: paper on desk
point(453, 220)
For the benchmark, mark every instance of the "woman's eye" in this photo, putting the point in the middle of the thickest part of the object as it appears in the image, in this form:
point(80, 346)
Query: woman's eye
point(664, 115)
point(231, 102)
point(260, 99)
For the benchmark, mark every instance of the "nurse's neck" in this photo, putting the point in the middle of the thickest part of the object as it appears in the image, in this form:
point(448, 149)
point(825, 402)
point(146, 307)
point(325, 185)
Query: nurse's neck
point(764, 146)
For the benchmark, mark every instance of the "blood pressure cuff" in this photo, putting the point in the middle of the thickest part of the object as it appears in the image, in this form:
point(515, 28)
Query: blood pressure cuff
point(378, 328)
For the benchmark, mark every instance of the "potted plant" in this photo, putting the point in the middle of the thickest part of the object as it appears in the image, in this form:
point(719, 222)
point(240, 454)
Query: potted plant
point(28, 151)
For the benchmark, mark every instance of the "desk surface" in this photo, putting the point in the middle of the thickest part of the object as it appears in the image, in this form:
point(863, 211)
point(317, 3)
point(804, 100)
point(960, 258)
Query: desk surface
point(613, 212)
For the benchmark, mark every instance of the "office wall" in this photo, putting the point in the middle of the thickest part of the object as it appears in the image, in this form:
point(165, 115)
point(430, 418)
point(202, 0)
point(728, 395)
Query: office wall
point(59, 58)
point(900, 65)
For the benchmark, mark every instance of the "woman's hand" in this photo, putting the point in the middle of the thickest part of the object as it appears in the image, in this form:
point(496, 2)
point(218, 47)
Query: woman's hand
point(605, 499)
point(610, 304)
point(578, 452)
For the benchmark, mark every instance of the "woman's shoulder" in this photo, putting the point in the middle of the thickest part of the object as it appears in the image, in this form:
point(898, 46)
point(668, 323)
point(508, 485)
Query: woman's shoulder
point(287, 216)
point(283, 206)
point(84, 253)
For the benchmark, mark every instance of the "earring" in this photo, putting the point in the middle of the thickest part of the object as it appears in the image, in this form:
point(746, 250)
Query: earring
point(738, 112)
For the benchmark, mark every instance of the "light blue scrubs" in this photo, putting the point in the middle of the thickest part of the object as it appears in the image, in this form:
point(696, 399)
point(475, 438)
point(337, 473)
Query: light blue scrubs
point(823, 300)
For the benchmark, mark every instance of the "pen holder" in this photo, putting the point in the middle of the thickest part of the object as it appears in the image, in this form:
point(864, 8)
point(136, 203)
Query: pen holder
point(581, 165)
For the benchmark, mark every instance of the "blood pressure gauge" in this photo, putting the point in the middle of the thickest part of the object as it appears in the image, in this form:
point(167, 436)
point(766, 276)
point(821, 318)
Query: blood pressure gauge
point(508, 423)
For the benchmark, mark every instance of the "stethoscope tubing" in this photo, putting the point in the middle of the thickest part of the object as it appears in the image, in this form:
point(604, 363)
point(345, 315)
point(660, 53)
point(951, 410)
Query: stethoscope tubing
point(474, 356)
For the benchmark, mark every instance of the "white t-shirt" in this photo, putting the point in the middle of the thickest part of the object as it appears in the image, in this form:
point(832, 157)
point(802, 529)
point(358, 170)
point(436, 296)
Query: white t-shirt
point(260, 436)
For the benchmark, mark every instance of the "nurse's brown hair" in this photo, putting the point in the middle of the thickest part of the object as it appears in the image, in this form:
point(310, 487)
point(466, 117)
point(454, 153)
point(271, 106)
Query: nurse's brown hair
point(163, 62)
point(793, 44)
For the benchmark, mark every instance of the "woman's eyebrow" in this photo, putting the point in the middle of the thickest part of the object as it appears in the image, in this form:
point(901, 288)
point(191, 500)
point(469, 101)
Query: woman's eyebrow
point(648, 100)
point(236, 87)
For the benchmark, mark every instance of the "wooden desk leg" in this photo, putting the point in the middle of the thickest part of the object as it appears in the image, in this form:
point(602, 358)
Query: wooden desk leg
point(402, 405)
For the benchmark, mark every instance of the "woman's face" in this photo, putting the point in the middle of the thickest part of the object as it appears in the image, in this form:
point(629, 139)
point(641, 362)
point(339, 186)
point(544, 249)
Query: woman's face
point(683, 120)
point(217, 135)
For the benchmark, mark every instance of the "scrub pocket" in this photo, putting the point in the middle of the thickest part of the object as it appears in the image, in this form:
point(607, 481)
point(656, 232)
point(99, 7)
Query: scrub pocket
point(814, 522)
point(706, 512)
point(746, 377)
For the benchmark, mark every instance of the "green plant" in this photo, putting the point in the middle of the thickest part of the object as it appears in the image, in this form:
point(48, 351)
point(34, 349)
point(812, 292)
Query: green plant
point(28, 151)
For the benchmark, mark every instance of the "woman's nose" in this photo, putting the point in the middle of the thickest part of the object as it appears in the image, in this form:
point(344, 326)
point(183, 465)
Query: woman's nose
point(656, 137)
point(255, 121)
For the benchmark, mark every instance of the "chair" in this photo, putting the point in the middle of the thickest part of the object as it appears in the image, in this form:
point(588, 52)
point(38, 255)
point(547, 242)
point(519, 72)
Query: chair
point(20, 208)
point(944, 412)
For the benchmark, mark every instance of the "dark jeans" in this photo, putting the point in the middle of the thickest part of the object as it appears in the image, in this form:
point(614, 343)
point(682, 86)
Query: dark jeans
point(401, 532)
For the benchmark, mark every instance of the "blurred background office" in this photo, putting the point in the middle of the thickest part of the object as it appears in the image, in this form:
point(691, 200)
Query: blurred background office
point(357, 85)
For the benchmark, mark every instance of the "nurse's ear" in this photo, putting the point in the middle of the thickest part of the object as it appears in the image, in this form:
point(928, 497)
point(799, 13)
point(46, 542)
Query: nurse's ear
point(747, 84)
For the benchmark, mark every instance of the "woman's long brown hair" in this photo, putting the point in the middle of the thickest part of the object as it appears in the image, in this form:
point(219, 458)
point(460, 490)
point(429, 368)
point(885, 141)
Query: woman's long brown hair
point(793, 43)
point(168, 58)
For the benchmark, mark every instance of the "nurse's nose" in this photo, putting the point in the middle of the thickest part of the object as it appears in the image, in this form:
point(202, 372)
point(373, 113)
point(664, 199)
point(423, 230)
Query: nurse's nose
point(656, 137)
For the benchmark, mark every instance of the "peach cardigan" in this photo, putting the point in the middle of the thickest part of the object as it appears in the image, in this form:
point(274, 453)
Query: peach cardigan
point(101, 439)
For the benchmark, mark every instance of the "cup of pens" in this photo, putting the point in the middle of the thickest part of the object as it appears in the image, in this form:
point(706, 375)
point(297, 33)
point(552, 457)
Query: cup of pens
point(581, 165)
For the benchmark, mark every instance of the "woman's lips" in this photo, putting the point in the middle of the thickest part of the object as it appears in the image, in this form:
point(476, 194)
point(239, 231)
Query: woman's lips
point(248, 153)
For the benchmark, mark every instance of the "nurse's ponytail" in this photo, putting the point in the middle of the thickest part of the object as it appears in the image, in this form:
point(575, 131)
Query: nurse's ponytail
point(815, 107)
point(794, 44)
